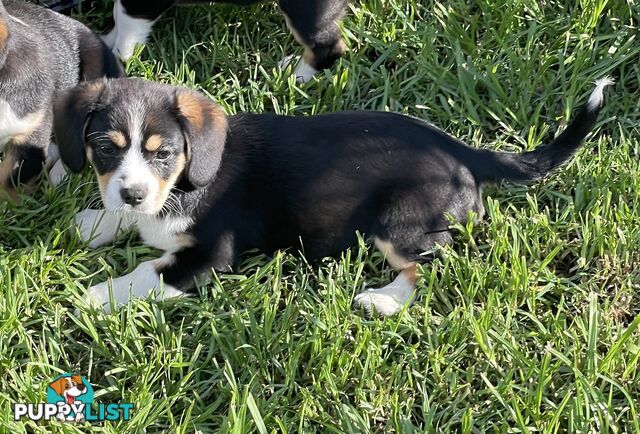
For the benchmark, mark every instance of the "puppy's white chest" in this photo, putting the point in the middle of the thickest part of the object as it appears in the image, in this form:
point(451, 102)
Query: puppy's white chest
point(162, 233)
point(12, 125)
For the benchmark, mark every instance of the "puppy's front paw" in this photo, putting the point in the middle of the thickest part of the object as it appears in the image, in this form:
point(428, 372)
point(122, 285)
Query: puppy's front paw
point(98, 296)
point(141, 282)
point(57, 174)
point(87, 222)
point(110, 38)
point(97, 227)
point(124, 48)
point(303, 71)
point(377, 300)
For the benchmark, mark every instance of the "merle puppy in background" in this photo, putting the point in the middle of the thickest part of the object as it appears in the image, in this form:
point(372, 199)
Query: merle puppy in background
point(42, 53)
point(204, 186)
point(314, 24)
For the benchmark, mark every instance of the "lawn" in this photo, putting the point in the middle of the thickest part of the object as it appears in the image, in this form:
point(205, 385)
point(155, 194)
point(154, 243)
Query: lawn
point(529, 323)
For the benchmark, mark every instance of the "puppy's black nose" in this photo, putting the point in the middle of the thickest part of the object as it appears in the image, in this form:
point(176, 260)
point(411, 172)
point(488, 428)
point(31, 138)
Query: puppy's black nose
point(133, 195)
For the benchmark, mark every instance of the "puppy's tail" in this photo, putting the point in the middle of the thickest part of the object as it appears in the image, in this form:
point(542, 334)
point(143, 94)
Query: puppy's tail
point(534, 165)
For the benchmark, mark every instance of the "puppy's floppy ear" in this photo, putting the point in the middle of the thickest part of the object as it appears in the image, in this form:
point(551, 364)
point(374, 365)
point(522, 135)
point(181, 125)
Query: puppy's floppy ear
point(58, 385)
point(204, 125)
point(71, 115)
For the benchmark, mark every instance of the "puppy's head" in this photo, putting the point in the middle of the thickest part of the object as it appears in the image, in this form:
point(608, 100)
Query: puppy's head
point(142, 138)
point(69, 387)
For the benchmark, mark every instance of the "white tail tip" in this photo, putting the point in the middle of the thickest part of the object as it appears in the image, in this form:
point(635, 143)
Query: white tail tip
point(596, 97)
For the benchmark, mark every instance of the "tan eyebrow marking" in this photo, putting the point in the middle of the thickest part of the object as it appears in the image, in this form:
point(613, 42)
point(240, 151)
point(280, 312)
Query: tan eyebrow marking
point(103, 181)
point(117, 138)
point(153, 142)
point(4, 34)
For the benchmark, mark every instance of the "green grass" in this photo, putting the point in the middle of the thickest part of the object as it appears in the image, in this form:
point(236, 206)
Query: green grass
point(529, 323)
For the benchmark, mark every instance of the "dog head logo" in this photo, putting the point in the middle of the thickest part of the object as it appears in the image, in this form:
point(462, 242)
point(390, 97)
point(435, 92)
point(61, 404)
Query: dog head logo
point(69, 388)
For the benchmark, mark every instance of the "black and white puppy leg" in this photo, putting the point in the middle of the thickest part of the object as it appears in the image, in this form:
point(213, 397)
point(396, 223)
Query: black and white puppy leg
point(134, 21)
point(21, 166)
point(98, 226)
point(390, 299)
point(140, 283)
point(314, 25)
point(178, 270)
point(421, 246)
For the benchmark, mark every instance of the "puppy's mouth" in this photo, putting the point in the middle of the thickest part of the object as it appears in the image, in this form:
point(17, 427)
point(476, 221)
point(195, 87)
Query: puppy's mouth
point(151, 208)
point(120, 196)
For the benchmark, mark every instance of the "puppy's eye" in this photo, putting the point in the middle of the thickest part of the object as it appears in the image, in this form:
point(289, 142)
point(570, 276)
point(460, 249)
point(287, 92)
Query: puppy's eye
point(106, 149)
point(163, 154)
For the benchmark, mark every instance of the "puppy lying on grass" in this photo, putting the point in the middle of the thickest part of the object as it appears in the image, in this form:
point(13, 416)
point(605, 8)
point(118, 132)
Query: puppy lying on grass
point(204, 187)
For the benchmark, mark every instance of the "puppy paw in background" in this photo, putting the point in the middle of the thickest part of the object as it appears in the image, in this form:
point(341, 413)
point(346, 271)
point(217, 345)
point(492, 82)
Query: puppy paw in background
point(313, 23)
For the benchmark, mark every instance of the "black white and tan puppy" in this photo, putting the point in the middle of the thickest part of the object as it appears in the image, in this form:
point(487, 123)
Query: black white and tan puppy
point(205, 187)
point(41, 54)
point(313, 23)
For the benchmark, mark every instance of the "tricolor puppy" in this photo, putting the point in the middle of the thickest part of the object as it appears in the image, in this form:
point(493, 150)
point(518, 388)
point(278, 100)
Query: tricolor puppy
point(205, 187)
point(41, 54)
point(314, 24)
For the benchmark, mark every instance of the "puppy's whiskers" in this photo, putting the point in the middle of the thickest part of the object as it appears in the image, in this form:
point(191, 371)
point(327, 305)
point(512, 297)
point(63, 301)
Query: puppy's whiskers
point(172, 205)
point(95, 199)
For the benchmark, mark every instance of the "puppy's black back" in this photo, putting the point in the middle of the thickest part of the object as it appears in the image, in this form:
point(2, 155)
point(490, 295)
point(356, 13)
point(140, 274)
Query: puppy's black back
point(335, 174)
point(314, 181)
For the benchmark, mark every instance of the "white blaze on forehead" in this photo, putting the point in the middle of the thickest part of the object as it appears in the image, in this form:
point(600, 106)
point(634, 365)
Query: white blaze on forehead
point(135, 122)
point(133, 170)
point(134, 166)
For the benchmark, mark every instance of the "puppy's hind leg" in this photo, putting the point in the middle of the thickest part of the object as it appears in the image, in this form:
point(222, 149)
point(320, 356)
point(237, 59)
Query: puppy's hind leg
point(392, 298)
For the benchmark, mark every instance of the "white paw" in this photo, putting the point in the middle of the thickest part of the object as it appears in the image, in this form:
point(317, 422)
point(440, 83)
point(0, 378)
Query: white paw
point(127, 33)
point(110, 38)
point(142, 282)
point(97, 227)
point(377, 300)
point(303, 71)
point(98, 296)
point(124, 48)
point(57, 174)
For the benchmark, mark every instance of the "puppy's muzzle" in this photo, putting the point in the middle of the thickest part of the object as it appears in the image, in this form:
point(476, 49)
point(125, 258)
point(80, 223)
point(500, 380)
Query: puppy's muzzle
point(134, 195)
